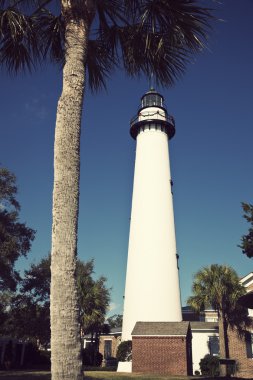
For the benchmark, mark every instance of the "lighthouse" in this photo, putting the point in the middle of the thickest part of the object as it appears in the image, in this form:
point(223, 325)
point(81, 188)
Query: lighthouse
point(152, 291)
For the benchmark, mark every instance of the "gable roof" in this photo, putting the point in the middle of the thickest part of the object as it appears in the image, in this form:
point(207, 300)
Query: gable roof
point(160, 329)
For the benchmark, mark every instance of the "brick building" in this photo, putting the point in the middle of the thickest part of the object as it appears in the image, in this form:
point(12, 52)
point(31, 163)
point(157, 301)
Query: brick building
point(162, 347)
point(158, 346)
point(108, 343)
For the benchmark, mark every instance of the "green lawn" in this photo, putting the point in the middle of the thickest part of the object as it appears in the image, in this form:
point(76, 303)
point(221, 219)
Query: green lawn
point(93, 375)
point(25, 375)
point(89, 375)
point(127, 376)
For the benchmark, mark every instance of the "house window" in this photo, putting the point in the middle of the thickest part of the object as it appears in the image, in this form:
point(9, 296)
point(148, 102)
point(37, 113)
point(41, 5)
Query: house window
point(249, 344)
point(107, 349)
point(213, 344)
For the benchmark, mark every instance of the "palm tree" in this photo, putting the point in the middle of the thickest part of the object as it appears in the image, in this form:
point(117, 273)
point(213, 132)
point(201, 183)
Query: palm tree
point(90, 37)
point(218, 286)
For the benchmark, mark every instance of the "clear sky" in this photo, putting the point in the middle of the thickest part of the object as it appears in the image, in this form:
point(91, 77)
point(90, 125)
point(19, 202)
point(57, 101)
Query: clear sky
point(211, 156)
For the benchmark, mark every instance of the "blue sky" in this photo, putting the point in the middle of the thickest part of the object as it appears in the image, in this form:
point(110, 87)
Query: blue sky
point(211, 156)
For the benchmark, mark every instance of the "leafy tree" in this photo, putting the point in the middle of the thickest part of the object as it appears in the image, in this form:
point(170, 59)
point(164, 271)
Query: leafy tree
point(210, 366)
point(15, 237)
point(28, 315)
point(36, 281)
point(28, 319)
point(115, 320)
point(94, 37)
point(94, 299)
point(247, 240)
point(124, 351)
point(218, 286)
point(5, 300)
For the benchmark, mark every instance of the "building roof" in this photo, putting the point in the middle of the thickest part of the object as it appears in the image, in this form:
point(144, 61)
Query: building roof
point(160, 328)
point(196, 325)
point(114, 330)
point(246, 280)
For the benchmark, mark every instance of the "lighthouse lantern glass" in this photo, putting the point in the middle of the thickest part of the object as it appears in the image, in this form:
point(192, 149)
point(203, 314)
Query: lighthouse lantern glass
point(153, 99)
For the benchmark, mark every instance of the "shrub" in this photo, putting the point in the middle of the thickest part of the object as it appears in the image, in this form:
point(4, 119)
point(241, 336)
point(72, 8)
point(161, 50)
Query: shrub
point(91, 357)
point(34, 358)
point(124, 351)
point(209, 365)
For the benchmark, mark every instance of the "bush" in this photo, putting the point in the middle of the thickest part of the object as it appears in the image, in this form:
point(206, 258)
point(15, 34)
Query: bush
point(34, 358)
point(91, 357)
point(31, 355)
point(209, 365)
point(124, 351)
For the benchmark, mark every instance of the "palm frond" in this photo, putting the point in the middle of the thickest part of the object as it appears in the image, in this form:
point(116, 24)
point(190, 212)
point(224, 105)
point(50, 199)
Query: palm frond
point(100, 63)
point(52, 32)
point(111, 12)
point(18, 41)
point(185, 23)
point(165, 35)
point(132, 9)
point(152, 54)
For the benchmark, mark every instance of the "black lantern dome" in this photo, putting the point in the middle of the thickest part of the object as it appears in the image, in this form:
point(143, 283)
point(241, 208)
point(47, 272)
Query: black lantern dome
point(157, 115)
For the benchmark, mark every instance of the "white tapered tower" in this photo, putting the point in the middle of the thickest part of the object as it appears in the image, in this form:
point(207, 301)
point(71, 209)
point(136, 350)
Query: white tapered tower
point(152, 291)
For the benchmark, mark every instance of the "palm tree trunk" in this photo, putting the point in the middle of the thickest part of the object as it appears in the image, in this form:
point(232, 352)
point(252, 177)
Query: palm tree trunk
point(65, 327)
point(224, 343)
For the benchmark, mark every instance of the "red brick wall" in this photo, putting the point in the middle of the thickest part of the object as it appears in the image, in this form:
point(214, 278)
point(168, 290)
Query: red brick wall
point(237, 351)
point(161, 355)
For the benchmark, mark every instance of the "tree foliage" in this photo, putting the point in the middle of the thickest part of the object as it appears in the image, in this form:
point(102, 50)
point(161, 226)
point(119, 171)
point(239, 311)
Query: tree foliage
point(143, 37)
point(15, 237)
point(28, 315)
point(247, 240)
point(210, 366)
point(218, 286)
point(94, 298)
point(124, 351)
point(115, 320)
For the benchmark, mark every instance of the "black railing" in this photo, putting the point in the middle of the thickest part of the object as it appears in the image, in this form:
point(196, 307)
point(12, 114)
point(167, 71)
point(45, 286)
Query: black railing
point(153, 116)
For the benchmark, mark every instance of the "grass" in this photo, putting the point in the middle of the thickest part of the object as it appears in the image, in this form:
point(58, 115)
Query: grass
point(89, 375)
point(94, 375)
point(25, 375)
point(127, 376)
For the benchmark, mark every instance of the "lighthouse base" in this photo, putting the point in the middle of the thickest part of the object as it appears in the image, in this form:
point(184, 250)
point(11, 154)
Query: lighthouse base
point(124, 367)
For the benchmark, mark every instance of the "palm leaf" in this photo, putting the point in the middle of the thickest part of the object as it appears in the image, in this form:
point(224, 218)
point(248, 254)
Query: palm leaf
point(18, 40)
point(51, 30)
point(100, 62)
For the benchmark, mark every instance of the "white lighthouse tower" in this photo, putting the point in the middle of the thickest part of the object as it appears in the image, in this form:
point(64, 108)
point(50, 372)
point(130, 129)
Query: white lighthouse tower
point(152, 291)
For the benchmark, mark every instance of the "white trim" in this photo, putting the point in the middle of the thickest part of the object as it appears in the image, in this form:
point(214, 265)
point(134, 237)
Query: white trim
point(158, 336)
point(199, 330)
